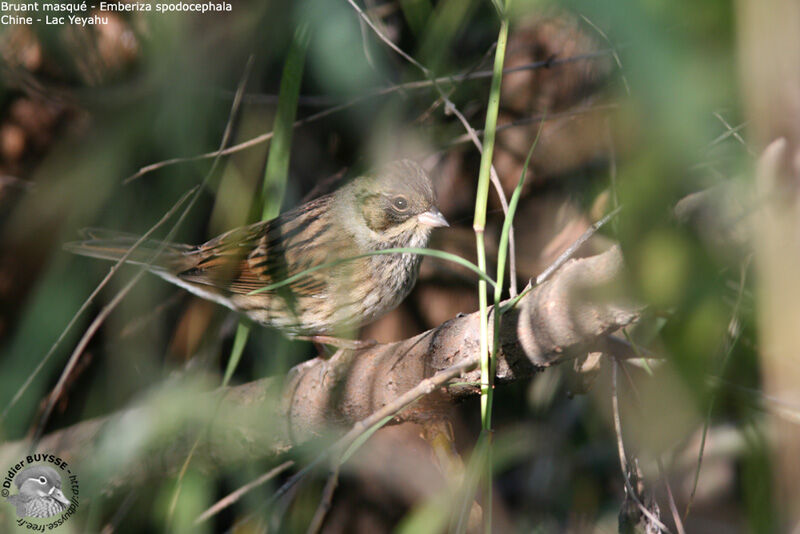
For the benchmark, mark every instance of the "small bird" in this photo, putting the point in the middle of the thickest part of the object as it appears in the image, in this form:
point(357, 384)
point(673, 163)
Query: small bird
point(39, 492)
point(392, 207)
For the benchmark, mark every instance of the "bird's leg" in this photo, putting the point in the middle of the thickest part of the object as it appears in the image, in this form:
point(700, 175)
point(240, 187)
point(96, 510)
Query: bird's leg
point(340, 343)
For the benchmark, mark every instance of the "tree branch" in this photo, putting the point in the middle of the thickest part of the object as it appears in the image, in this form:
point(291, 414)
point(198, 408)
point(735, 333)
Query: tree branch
point(560, 319)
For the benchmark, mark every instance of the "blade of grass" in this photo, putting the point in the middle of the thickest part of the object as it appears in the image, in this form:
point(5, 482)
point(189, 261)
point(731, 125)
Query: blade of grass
point(421, 251)
point(465, 495)
point(277, 170)
point(225, 138)
point(275, 177)
point(479, 225)
point(501, 265)
point(239, 341)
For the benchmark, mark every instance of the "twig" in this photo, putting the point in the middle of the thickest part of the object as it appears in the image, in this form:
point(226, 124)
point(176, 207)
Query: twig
point(231, 498)
point(388, 41)
point(85, 305)
point(662, 472)
point(612, 167)
point(422, 84)
point(562, 259)
point(788, 410)
point(73, 359)
point(567, 254)
point(731, 131)
point(194, 193)
point(733, 333)
point(673, 508)
point(263, 138)
point(512, 253)
point(121, 512)
point(451, 108)
point(614, 52)
point(425, 387)
point(537, 118)
point(325, 501)
point(623, 462)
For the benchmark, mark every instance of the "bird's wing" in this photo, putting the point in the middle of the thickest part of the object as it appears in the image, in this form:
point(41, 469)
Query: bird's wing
point(249, 258)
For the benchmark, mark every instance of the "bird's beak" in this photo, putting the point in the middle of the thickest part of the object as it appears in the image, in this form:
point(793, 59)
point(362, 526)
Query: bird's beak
point(432, 217)
point(59, 496)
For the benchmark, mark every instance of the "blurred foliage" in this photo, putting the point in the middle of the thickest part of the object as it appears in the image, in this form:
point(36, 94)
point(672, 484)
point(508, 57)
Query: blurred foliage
point(83, 109)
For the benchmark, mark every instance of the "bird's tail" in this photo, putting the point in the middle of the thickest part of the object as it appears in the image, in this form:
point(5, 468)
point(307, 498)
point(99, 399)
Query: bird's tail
point(111, 245)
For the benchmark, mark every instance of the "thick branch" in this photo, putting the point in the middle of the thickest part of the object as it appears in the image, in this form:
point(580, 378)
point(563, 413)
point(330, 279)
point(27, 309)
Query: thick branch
point(566, 316)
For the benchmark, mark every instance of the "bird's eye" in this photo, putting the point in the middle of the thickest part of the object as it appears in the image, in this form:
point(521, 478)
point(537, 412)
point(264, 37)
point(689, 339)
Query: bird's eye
point(400, 203)
point(42, 480)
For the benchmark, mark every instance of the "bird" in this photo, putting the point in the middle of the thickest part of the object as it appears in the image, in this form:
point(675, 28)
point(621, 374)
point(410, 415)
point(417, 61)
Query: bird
point(40, 492)
point(393, 206)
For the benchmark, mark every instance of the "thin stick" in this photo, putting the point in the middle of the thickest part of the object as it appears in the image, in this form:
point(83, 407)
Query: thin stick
point(733, 333)
point(662, 472)
point(73, 359)
point(567, 254)
point(451, 108)
point(731, 131)
point(425, 387)
point(325, 501)
point(88, 301)
point(263, 138)
point(562, 259)
point(194, 193)
point(623, 462)
point(388, 41)
point(512, 249)
point(614, 54)
point(537, 118)
point(231, 498)
point(673, 508)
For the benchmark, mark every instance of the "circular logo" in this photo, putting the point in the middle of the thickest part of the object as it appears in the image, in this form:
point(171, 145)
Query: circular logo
point(43, 489)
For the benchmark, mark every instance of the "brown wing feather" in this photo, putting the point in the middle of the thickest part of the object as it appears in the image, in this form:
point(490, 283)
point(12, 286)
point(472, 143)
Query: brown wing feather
point(246, 259)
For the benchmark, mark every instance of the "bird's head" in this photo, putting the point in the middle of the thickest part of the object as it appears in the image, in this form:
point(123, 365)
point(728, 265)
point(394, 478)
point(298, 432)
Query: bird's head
point(397, 202)
point(41, 481)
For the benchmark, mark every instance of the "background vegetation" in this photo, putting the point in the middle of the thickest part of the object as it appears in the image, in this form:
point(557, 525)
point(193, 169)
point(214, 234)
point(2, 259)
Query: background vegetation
point(636, 104)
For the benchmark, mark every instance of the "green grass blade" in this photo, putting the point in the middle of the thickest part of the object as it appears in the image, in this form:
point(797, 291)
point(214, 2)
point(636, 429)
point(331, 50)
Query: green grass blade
point(242, 333)
point(277, 170)
point(421, 251)
point(502, 251)
point(479, 225)
point(502, 254)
